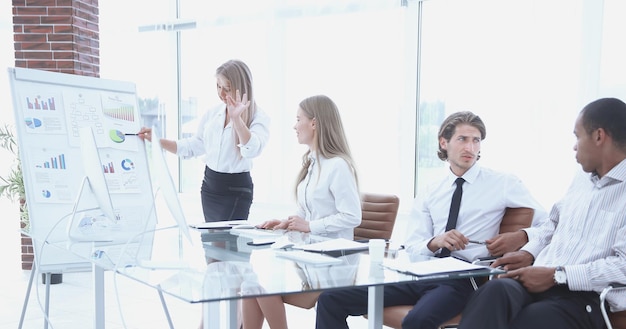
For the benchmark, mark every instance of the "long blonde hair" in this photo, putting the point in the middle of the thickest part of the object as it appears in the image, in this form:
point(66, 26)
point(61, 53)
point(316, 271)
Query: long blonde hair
point(238, 73)
point(330, 139)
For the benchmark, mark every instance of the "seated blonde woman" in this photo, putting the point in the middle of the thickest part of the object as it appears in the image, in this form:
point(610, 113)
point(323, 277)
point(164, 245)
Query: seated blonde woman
point(327, 197)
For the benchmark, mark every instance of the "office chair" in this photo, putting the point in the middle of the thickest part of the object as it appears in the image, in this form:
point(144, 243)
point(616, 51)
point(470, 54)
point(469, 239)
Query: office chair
point(514, 219)
point(379, 213)
point(616, 320)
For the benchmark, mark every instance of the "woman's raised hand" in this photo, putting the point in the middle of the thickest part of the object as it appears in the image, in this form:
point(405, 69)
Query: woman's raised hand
point(238, 105)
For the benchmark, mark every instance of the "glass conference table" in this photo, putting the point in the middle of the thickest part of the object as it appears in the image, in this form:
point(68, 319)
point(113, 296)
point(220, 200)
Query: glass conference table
point(219, 267)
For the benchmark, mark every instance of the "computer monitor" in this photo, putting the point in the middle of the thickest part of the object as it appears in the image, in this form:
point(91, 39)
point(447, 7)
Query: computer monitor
point(95, 225)
point(166, 185)
point(94, 172)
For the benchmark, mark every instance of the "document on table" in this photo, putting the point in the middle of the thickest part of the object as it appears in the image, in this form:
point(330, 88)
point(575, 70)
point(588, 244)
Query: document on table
point(225, 224)
point(434, 266)
point(334, 247)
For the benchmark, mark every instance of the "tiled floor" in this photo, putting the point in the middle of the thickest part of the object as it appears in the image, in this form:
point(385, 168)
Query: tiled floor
point(128, 304)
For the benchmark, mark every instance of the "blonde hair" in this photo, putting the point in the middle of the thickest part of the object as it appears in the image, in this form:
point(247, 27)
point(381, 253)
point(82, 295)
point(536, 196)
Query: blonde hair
point(238, 73)
point(330, 139)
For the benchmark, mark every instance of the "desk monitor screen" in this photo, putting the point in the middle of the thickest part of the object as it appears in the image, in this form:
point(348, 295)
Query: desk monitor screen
point(95, 224)
point(166, 185)
point(94, 173)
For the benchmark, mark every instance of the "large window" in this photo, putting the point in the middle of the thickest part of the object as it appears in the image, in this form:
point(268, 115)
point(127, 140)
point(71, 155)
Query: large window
point(525, 66)
point(300, 54)
point(525, 75)
point(356, 52)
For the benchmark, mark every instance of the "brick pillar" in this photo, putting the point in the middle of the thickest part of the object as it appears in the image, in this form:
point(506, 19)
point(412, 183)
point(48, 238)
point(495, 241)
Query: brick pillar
point(57, 35)
point(60, 36)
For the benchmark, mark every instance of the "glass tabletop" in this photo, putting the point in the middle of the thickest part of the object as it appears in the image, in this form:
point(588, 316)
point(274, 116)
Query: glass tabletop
point(221, 264)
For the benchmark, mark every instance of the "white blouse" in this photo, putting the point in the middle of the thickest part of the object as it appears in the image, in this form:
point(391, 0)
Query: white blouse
point(216, 143)
point(329, 199)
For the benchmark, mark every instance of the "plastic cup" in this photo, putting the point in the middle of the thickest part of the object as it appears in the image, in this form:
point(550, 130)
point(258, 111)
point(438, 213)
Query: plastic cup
point(377, 250)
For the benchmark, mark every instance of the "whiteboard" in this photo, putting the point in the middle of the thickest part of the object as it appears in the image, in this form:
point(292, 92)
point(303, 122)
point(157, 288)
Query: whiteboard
point(50, 110)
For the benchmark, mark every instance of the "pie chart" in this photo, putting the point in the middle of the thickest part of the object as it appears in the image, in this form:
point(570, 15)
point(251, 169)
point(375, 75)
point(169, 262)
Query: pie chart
point(128, 164)
point(117, 136)
point(32, 123)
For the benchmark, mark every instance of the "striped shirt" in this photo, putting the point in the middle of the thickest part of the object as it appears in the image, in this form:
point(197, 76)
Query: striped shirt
point(586, 234)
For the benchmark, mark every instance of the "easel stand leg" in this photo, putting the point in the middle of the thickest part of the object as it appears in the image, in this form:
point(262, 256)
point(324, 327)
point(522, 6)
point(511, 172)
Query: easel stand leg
point(31, 281)
point(25, 305)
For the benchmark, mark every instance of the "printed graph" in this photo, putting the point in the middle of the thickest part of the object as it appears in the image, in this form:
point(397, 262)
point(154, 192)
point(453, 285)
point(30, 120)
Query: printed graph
point(108, 168)
point(57, 162)
point(124, 112)
point(39, 103)
point(117, 136)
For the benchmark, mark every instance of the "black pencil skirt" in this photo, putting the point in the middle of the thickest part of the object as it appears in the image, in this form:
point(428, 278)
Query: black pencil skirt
point(226, 196)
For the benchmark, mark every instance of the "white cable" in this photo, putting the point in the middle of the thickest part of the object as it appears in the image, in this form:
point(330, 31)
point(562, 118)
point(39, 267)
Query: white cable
point(38, 265)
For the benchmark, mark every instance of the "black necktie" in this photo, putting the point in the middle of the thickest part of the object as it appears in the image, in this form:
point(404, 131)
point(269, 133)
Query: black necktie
point(454, 211)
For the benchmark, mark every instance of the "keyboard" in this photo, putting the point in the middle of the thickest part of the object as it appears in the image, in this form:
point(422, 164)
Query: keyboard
point(307, 257)
point(256, 233)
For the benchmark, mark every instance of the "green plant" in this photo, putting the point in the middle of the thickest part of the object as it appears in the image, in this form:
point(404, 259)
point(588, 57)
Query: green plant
point(12, 185)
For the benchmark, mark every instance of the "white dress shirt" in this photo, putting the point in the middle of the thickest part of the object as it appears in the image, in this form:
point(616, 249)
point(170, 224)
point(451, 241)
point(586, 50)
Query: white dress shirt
point(586, 234)
point(329, 199)
point(486, 195)
point(216, 143)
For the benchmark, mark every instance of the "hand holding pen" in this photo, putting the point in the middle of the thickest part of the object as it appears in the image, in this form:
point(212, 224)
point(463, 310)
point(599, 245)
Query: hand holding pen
point(506, 242)
point(144, 133)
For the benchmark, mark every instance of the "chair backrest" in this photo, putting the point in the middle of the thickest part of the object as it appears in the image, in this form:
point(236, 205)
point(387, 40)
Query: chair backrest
point(379, 213)
point(618, 320)
point(515, 219)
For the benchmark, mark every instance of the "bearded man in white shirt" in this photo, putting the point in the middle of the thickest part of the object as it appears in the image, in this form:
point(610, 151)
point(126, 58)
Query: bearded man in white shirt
point(553, 281)
point(485, 197)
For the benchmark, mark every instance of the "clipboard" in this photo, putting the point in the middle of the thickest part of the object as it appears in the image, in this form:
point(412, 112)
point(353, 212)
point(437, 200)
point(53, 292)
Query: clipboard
point(437, 266)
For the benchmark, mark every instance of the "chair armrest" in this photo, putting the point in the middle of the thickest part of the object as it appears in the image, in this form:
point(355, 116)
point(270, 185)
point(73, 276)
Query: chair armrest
point(611, 286)
point(605, 291)
point(486, 261)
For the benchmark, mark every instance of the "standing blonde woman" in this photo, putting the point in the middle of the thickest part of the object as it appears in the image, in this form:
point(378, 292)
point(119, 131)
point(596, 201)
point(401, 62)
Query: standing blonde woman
point(327, 198)
point(229, 136)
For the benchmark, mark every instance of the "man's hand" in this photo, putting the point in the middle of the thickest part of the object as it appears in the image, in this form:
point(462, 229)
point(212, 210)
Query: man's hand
point(453, 240)
point(506, 242)
point(534, 278)
point(514, 260)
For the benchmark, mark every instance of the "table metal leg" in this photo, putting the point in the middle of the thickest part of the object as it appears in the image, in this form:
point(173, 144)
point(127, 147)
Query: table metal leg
point(165, 310)
point(47, 303)
point(98, 295)
point(375, 307)
point(213, 312)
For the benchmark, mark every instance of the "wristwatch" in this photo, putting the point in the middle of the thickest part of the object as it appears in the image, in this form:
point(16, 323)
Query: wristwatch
point(560, 278)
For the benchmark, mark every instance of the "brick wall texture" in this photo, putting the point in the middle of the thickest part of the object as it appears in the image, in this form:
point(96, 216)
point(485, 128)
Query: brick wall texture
point(57, 35)
point(60, 36)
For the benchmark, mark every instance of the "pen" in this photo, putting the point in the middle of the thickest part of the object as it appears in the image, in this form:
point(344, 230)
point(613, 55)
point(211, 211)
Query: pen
point(477, 242)
point(128, 134)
